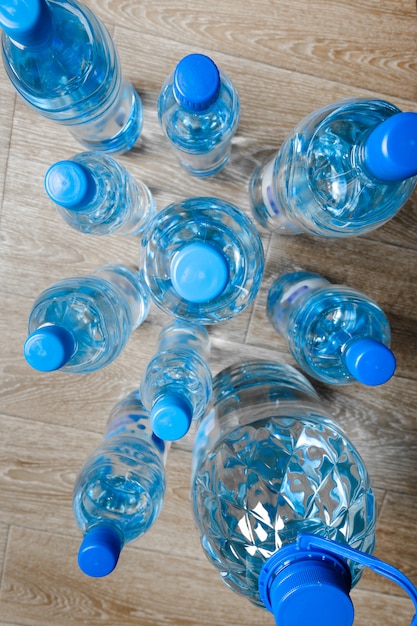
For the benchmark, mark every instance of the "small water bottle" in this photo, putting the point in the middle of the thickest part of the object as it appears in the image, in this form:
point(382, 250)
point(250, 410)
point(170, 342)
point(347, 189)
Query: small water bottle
point(345, 170)
point(198, 109)
point(203, 260)
point(281, 497)
point(119, 491)
point(82, 324)
point(95, 194)
point(177, 383)
point(335, 333)
point(61, 59)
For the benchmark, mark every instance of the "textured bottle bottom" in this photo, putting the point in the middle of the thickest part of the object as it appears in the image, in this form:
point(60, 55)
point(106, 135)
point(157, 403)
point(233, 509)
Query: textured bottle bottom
point(122, 141)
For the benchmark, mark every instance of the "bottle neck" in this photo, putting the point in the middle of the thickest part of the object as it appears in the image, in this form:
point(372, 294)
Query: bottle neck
point(185, 336)
point(32, 28)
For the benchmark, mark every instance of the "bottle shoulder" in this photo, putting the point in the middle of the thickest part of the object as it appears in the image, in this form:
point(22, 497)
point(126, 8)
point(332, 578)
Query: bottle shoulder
point(188, 127)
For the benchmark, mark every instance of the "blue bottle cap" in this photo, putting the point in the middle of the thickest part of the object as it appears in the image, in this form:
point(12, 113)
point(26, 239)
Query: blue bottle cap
point(171, 417)
point(25, 21)
point(369, 361)
point(48, 348)
point(308, 582)
point(99, 551)
point(311, 592)
point(196, 82)
point(199, 272)
point(391, 148)
point(69, 184)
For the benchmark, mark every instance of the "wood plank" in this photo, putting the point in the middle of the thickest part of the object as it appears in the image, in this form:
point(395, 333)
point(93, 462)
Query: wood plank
point(42, 584)
point(321, 38)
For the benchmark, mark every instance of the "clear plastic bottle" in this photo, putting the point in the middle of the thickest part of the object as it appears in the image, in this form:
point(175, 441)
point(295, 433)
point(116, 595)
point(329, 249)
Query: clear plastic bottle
point(198, 109)
point(177, 382)
point(345, 170)
point(61, 59)
point(82, 324)
point(203, 260)
point(335, 333)
point(95, 194)
point(119, 491)
point(269, 464)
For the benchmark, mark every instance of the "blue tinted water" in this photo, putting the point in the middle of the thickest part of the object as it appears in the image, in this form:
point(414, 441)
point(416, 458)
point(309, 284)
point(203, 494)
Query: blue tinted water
point(74, 78)
point(318, 181)
point(201, 140)
point(319, 322)
point(119, 204)
point(122, 483)
point(268, 464)
point(221, 227)
point(180, 366)
point(100, 311)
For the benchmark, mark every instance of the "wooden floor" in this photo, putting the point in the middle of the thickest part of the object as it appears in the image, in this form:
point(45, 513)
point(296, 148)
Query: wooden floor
point(286, 57)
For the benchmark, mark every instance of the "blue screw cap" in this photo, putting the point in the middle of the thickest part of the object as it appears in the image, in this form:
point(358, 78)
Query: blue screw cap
point(391, 148)
point(99, 551)
point(301, 587)
point(199, 272)
point(70, 185)
point(171, 417)
point(311, 589)
point(196, 82)
point(25, 21)
point(48, 348)
point(370, 362)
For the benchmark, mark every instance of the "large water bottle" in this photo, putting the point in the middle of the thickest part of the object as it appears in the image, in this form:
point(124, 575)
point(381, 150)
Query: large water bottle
point(268, 466)
point(203, 260)
point(177, 382)
point(198, 109)
point(335, 333)
point(95, 194)
point(119, 491)
point(345, 170)
point(82, 324)
point(61, 59)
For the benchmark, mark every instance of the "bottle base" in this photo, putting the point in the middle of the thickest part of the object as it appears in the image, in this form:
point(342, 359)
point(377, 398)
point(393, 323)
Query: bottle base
point(204, 173)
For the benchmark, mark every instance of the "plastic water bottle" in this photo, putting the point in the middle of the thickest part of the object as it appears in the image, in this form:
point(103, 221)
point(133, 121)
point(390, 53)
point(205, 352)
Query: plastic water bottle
point(82, 324)
point(345, 170)
point(269, 465)
point(198, 109)
point(203, 260)
point(61, 59)
point(335, 333)
point(119, 491)
point(177, 382)
point(95, 194)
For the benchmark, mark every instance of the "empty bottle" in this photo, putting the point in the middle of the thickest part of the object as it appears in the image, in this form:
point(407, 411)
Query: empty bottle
point(268, 466)
point(203, 260)
point(335, 333)
point(177, 383)
point(198, 109)
point(119, 491)
point(95, 194)
point(82, 324)
point(61, 59)
point(345, 170)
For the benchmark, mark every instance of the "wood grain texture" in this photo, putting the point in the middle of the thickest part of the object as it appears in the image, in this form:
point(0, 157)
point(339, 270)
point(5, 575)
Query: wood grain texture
point(286, 58)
